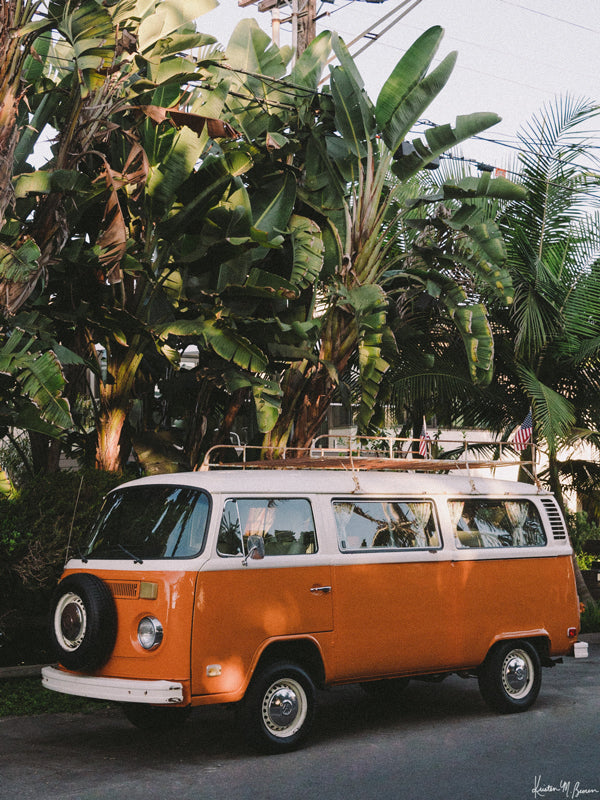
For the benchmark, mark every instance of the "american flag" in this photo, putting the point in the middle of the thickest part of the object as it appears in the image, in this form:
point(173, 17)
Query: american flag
point(424, 441)
point(523, 435)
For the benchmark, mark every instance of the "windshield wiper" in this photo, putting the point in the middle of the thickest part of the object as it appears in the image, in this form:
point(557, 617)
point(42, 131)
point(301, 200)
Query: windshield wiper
point(136, 560)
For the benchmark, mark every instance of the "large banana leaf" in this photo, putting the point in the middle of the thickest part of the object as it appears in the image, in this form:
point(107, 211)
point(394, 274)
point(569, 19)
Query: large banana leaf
point(354, 112)
point(411, 107)
point(439, 140)
point(407, 74)
point(20, 263)
point(160, 22)
point(308, 69)
point(308, 249)
point(39, 376)
point(89, 30)
point(251, 49)
point(223, 339)
point(273, 206)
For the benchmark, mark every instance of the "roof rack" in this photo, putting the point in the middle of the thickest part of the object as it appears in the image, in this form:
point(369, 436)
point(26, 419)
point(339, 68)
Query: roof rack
point(375, 453)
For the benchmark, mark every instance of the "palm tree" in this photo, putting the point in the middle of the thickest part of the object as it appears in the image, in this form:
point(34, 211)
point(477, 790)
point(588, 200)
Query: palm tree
point(548, 340)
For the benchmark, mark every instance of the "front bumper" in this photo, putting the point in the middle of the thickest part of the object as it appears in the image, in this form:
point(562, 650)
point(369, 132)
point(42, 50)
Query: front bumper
point(118, 689)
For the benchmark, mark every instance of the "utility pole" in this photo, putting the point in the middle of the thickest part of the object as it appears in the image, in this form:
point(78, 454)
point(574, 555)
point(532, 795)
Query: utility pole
point(302, 15)
point(305, 23)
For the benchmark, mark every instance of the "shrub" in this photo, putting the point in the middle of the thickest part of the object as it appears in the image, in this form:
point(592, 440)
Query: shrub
point(590, 618)
point(35, 528)
point(581, 529)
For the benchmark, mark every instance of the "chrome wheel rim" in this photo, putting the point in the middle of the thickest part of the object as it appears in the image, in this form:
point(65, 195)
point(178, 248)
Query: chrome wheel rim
point(70, 620)
point(518, 674)
point(284, 708)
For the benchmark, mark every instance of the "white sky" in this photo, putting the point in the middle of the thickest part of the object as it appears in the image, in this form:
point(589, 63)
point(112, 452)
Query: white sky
point(513, 55)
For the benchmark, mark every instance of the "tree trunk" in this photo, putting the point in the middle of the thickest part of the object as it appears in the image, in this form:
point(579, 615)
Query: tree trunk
point(308, 389)
point(45, 453)
point(556, 488)
point(115, 403)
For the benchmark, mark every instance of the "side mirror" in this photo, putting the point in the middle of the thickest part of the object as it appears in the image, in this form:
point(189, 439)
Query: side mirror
point(256, 549)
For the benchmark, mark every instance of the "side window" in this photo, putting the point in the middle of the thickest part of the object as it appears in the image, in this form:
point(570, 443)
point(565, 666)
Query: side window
point(286, 525)
point(392, 524)
point(496, 523)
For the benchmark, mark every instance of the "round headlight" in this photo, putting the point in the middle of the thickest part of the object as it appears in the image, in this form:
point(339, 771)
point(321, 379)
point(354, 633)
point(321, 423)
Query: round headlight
point(150, 633)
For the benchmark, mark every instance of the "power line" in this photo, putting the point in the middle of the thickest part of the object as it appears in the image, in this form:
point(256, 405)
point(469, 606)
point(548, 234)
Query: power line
point(549, 16)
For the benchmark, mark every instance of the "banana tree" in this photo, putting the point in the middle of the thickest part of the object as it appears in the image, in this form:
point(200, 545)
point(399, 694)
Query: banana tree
point(349, 155)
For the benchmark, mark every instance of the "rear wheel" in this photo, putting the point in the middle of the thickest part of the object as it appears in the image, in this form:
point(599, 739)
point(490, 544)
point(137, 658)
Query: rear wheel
point(278, 709)
point(510, 677)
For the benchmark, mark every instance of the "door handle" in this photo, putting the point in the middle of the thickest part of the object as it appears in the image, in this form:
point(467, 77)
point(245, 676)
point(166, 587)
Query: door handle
point(323, 589)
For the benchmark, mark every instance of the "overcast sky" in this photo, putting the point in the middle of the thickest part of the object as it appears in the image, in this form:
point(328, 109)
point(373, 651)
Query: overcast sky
point(513, 55)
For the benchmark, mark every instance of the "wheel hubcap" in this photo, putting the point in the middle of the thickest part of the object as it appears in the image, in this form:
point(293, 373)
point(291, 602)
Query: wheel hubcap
point(284, 708)
point(70, 621)
point(517, 674)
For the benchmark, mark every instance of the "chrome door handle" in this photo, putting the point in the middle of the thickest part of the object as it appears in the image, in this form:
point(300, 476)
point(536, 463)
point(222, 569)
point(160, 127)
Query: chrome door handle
point(324, 589)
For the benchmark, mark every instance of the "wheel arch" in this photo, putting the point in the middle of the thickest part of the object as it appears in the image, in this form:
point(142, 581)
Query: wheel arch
point(541, 642)
point(303, 651)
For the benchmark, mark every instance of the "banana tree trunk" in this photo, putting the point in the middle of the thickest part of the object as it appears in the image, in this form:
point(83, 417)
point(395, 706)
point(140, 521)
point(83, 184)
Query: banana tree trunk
point(308, 389)
point(115, 404)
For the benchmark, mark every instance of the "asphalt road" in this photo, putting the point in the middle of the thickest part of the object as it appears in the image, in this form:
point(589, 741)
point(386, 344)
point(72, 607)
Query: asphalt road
point(441, 741)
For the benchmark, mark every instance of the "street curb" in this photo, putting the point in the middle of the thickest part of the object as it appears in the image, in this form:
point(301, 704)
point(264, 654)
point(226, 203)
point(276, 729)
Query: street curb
point(590, 638)
point(23, 671)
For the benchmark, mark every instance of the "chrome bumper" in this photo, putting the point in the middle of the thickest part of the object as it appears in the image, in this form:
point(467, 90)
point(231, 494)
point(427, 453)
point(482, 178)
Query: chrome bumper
point(118, 689)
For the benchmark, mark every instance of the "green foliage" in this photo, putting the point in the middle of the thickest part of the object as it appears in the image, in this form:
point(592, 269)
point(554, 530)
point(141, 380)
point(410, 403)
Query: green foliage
point(26, 697)
point(581, 528)
point(590, 618)
point(35, 527)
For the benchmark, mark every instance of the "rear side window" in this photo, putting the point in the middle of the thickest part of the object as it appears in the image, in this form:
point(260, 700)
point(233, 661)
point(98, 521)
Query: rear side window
point(151, 521)
point(381, 524)
point(496, 523)
point(286, 525)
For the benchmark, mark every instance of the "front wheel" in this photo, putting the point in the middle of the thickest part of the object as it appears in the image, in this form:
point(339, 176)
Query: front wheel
point(278, 709)
point(510, 677)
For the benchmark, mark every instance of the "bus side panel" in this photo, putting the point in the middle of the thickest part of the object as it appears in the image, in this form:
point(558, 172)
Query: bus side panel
point(506, 598)
point(393, 617)
point(239, 609)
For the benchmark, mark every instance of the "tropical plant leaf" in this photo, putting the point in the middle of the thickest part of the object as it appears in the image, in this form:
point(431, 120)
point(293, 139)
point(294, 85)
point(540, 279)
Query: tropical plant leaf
point(20, 263)
point(407, 73)
point(412, 107)
point(553, 413)
point(267, 402)
point(440, 139)
point(274, 205)
point(308, 249)
point(89, 30)
point(161, 21)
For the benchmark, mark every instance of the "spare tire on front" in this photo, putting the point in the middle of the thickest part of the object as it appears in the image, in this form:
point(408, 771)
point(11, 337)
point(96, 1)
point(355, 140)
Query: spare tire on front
point(83, 622)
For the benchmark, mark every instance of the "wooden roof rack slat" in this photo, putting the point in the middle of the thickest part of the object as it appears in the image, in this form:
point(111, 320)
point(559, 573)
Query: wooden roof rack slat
point(373, 453)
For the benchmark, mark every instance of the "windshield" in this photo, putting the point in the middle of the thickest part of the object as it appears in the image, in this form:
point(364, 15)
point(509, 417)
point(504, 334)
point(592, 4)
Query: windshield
point(149, 522)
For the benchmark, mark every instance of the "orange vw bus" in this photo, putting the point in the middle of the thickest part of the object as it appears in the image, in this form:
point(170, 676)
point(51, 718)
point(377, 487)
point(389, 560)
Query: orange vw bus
point(255, 586)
